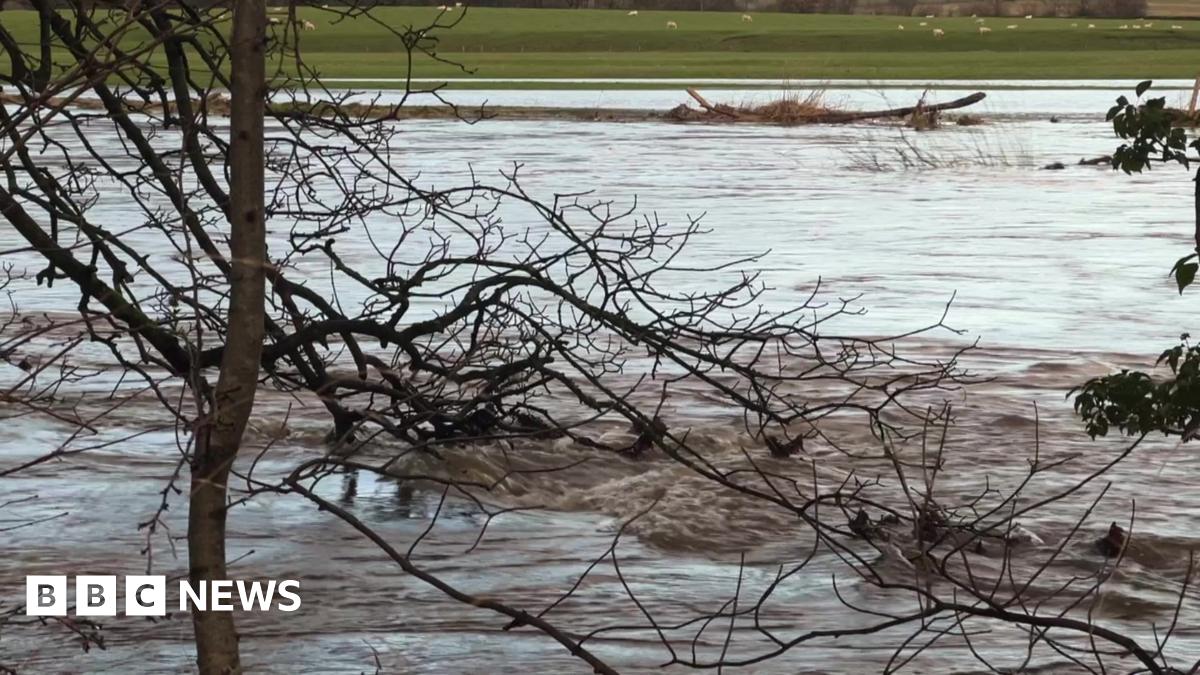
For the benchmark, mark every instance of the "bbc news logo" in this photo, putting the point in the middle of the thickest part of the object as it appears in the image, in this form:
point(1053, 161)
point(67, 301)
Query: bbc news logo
point(147, 595)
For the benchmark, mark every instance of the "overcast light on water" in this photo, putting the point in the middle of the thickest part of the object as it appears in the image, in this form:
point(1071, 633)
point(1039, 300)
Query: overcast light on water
point(1058, 274)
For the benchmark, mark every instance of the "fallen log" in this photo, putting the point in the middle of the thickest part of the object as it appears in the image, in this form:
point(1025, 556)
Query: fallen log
point(905, 112)
point(716, 109)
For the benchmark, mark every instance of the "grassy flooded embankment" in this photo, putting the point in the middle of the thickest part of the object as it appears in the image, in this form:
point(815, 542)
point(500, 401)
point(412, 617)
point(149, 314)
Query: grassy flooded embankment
point(514, 44)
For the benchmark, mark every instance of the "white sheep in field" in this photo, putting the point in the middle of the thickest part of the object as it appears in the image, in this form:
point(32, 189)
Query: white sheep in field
point(746, 18)
point(1123, 27)
point(928, 16)
point(1074, 25)
point(274, 20)
point(1136, 27)
point(939, 33)
point(1149, 25)
point(308, 25)
point(900, 27)
point(1176, 27)
point(1091, 25)
point(1011, 26)
point(979, 20)
point(632, 12)
point(924, 23)
point(442, 8)
point(671, 25)
point(458, 5)
point(984, 29)
point(1028, 16)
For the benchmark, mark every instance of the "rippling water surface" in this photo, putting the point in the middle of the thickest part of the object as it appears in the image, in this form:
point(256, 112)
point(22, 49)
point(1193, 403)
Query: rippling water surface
point(1060, 275)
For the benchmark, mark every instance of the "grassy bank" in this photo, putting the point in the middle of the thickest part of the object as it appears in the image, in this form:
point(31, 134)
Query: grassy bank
point(531, 43)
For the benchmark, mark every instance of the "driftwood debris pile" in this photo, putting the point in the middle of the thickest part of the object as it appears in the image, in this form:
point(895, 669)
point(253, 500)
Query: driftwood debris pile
point(794, 110)
point(808, 110)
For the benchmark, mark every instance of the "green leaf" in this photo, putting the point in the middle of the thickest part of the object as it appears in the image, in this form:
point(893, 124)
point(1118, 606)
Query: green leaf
point(1144, 86)
point(1185, 274)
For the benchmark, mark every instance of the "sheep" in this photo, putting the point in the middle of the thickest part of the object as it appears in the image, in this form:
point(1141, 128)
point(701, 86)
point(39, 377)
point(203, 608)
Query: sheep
point(924, 23)
point(900, 27)
point(1149, 25)
point(443, 8)
point(939, 33)
point(984, 29)
point(458, 4)
point(274, 20)
point(1028, 16)
point(1091, 25)
point(308, 25)
point(1136, 27)
point(1074, 25)
point(1176, 27)
point(746, 18)
point(1011, 26)
point(632, 12)
point(1123, 27)
point(928, 16)
point(979, 20)
point(671, 25)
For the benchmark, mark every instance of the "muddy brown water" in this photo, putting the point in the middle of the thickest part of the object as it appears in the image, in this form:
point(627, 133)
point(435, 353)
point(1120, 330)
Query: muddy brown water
point(1060, 275)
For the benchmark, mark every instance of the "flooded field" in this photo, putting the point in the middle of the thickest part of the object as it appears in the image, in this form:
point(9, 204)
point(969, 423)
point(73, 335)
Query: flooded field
point(1059, 275)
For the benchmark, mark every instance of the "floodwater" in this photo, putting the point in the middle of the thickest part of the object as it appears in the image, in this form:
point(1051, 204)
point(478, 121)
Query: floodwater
point(1059, 275)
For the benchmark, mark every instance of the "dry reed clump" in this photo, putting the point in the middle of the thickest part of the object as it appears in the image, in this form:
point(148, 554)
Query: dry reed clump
point(922, 120)
point(793, 108)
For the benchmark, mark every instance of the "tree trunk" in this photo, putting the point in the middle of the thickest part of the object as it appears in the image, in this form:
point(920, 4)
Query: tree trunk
point(220, 434)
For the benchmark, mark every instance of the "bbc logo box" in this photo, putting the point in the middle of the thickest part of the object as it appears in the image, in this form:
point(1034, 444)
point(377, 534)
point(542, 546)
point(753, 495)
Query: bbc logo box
point(147, 595)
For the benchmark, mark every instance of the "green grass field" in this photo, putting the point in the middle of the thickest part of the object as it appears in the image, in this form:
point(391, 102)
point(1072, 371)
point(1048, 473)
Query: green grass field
point(544, 43)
